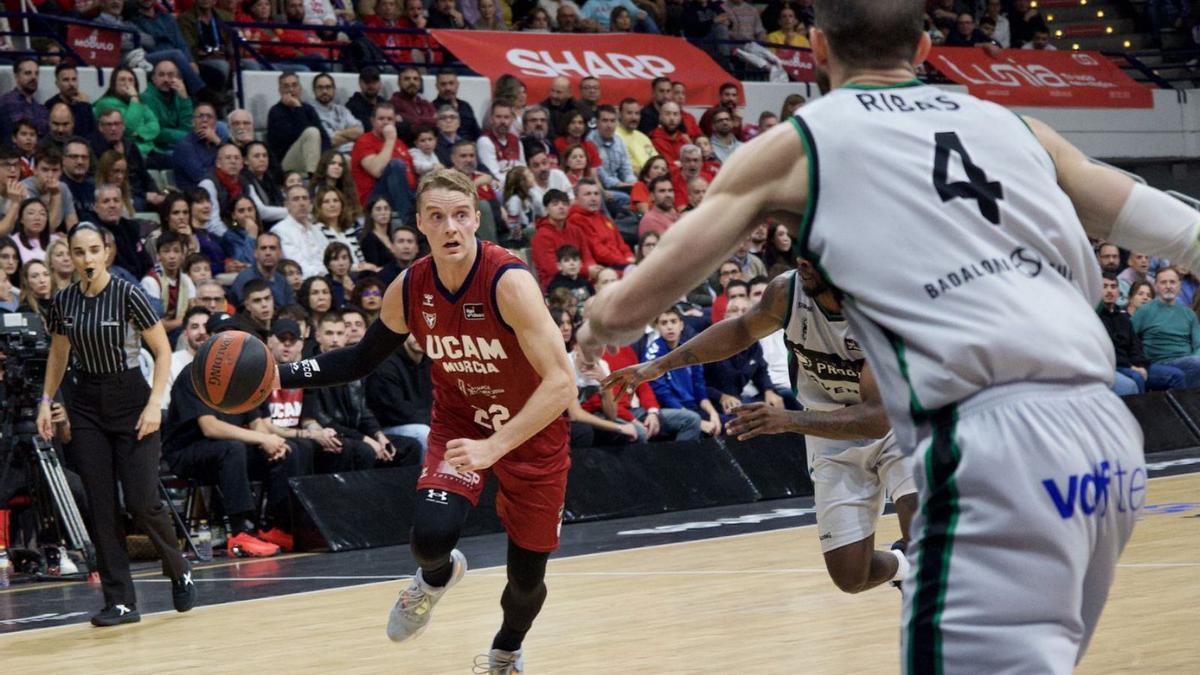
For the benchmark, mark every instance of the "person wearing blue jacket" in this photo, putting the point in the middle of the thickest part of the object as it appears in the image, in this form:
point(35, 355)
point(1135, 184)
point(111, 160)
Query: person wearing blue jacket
point(726, 379)
point(685, 387)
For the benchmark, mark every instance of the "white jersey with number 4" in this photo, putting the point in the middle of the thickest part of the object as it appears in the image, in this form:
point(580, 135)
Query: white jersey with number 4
point(962, 263)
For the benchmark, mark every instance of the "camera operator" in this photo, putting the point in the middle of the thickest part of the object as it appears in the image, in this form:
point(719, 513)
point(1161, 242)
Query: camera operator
point(114, 418)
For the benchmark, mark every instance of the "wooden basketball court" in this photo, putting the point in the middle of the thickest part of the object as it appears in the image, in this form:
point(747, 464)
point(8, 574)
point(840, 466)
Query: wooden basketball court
point(758, 603)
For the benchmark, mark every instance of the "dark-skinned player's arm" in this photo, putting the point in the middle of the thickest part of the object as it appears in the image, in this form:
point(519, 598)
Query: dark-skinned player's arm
point(349, 364)
point(867, 419)
point(519, 300)
point(719, 341)
point(767, 177)
point(1114, 208)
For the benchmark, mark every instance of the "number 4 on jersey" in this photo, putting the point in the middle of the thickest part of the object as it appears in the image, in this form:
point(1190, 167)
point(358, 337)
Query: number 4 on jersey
point(977, 186)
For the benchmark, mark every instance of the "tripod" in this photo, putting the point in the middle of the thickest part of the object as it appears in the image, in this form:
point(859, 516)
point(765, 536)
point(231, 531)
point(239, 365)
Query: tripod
point(57, 513)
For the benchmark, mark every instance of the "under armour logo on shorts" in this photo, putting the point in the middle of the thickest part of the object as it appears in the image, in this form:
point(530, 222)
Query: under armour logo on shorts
point(437, 496)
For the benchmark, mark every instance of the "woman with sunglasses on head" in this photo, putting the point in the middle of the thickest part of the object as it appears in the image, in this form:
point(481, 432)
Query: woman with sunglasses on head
point(98, 324)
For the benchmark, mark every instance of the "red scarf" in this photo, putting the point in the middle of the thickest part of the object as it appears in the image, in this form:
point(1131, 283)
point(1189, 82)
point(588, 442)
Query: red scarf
point(509, 150)
point(232, 185)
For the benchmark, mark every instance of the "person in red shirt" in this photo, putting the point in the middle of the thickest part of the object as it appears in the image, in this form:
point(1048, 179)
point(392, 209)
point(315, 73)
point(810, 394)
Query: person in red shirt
point(408, 102)
point(576, 129)
point(501, 382)
point(728, 100)
point(607, 246)
point(677, 423)
point(668, 137)
point(554, 232)
point(381, 165)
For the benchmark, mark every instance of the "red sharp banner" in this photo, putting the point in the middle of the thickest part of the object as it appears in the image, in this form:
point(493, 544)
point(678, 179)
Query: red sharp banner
point(1030, 77)
point(624, 63)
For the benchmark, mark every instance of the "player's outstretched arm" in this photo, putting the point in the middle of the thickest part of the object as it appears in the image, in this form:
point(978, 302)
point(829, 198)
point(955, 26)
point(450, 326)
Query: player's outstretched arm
point(520, 303)
point(719, 341)
point(1114, 208)
point(867, 419)
point(349, 364)
point(768, 178)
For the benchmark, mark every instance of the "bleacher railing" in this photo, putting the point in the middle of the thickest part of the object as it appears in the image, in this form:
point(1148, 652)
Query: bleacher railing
point(54, 28)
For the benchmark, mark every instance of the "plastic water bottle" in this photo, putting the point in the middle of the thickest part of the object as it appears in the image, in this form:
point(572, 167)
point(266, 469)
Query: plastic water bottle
point(5, 567)
point(204, 546)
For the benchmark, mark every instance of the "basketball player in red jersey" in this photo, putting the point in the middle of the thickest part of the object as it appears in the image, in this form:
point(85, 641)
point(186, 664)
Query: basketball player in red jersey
point(502, 381)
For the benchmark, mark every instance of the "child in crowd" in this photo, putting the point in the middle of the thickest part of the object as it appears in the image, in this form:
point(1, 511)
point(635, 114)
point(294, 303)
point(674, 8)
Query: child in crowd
point(424, 155)
point(293, 273)
point(197, 267)
point(167, 282)
point(570, 262)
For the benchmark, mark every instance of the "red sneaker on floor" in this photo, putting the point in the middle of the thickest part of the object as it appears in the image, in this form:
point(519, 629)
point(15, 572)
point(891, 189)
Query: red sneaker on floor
point(246, 545)
point(278, 537)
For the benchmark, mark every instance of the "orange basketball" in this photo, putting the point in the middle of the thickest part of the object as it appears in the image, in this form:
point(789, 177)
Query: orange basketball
point(233, 372)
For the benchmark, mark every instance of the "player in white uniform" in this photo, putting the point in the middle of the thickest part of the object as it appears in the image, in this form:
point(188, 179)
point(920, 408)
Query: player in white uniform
point(938, 217)
point(852, 456)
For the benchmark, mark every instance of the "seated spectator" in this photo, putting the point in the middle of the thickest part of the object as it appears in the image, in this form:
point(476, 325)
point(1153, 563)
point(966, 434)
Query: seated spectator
point(370, 88)
point(602, 423)
point(226, 450)
point(25, 139)
point(195, 154)
point(448, 133)
point(966, 33)
point(130, 254)
point(1025, 22)
point(32, 235)
point(113, 168)
point(405, 249)
point(381, 166)
point(409, 104)
point(46, 184)
point(553, 232)
point(447, 88)
point(208, 240)
point(1138, 269)
point(175, 215)
point(195, 334)
point(537, 137)
point(301, 239)
point(1169, 331)
point(167, 42)
point(344, 409)
point(290, 269)
point(744, 21)
point(199, 270)
point(111, 136)
point(1040, 41)
point(728, 100)
point(1135, 373)
point(257, 311)
point(775, 352)
point(266, 268)
point(338, 226)
point(669, 137)
point(640, 198)
point(545, 179)
point(1140, 292)
point(567, 20)
point(637, 144)
point(723, 141)
point(696, 189)
point(726, 379)
point(498, 148)
point(791, 33)
point(260, 184)
point(333, 173)
point(607, 246)
point(576, 165)
point(375, 241)
point(167, 282)
point(66, 79)
point(484, 14)
point(77, 176)
point(62, 127)
point(602, 12)
point(223, 183)
point(615, 171)
point(295, 134)
point(337, 262)
point(12, 192)
point(660, 92)
point(204, 27)
point(242, 228)
point(316, 297)
point(519, 207)
point(424, 155)
point(167, 101)
point(663, 214)
point(400, 394)
point(570, 266)
point(684, 388)
point(339, 124)
point(536, 21)
point(687, 120)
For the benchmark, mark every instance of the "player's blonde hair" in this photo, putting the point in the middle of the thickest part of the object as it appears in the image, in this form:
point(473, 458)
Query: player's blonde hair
point(447, 179)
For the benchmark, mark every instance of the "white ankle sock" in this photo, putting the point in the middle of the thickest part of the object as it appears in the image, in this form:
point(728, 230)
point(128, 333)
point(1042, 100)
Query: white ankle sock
point(903, 567)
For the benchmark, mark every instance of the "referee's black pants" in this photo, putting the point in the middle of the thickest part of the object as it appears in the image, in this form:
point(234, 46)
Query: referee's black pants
point(104, 449)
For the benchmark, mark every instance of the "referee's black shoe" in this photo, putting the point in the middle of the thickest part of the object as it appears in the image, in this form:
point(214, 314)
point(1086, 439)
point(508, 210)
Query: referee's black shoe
point(183, 590)
point(115, 615)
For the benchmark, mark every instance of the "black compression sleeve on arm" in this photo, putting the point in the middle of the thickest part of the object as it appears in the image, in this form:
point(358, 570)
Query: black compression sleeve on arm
point(342, 366)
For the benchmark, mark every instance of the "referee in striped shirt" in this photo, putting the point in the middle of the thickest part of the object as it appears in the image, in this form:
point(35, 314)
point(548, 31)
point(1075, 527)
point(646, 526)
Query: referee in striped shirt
point(101, 322)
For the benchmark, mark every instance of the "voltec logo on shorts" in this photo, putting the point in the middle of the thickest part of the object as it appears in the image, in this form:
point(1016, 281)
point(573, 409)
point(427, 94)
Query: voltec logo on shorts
point(473, 311)
point(1092, 491)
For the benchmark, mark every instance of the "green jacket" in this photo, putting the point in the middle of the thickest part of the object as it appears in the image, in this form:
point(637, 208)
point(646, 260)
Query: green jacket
point(174, 117)
point(140, 123)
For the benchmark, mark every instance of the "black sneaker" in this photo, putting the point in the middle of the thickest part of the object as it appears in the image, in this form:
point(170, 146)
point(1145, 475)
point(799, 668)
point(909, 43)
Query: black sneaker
point(115, 615)
point(902, 546)
point(183, 591)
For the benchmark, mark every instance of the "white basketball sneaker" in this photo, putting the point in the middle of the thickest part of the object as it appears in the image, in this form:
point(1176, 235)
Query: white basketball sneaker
point(500, 662)
point(410, 617)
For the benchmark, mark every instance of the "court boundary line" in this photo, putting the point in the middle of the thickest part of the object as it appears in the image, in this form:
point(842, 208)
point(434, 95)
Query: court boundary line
point(315, 591)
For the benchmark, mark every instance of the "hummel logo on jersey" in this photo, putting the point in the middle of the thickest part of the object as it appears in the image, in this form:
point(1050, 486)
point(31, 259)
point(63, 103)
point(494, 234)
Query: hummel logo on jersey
point(473, 311)
point(437, 496)
point(430, 319)
point(427, 300)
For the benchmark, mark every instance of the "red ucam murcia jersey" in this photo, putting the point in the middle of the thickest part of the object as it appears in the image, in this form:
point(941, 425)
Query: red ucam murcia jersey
point(481, 377)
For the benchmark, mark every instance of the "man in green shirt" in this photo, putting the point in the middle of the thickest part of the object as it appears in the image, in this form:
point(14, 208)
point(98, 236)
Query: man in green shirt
point(167, 99)
point(1170, 332)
